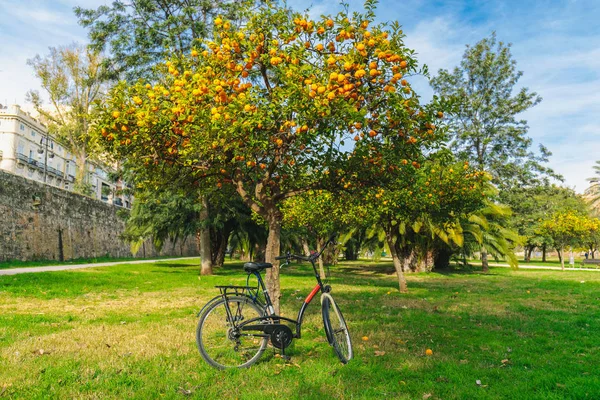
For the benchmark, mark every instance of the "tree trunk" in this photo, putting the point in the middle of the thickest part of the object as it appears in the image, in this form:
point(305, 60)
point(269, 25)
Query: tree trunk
point(562, 259)
point(81, 179)
point(397, 263)
point(219, 241)
point(485, 266)
point(350, 254)
point(528, 251)
point(544, 253)
point(320, 260)
point(204, 235)
point(441, 258)
point(273, 248)
point(305, 247)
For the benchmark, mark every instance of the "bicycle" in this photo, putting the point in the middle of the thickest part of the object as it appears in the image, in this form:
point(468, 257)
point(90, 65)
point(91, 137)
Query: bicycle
point(235, 327)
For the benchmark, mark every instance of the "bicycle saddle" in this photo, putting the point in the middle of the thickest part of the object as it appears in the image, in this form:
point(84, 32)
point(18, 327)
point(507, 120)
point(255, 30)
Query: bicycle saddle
point(256, 266)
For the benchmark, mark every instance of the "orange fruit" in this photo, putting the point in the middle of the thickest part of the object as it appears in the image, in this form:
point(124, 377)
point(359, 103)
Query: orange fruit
point(428, 352)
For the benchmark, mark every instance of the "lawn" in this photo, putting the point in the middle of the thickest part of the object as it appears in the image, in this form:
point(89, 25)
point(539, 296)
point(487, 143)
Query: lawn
point(128, 332)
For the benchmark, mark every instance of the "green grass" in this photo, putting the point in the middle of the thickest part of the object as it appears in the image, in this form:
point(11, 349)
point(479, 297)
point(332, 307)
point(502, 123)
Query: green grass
point(128, 332)
point(95, 260)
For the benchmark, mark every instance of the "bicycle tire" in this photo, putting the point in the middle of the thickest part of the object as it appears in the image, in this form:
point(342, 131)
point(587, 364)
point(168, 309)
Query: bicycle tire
point(218, 341)
point(336, 328)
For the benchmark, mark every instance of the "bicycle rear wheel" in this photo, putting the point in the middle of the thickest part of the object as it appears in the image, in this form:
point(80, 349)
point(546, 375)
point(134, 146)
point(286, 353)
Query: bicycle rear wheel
point(220, 341)
point(336, 328)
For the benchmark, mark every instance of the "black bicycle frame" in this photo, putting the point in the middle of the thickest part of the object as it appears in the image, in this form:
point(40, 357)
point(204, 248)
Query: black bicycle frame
point(269, 305)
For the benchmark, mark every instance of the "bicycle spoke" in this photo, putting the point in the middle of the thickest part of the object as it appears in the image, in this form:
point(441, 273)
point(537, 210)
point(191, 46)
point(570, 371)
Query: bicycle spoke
point(220, 340)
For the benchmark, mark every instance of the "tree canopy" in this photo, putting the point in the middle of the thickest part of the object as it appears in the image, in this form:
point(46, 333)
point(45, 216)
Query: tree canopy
point(138, 34)
point(484, 125)
point(267, 108)
point(71, 77)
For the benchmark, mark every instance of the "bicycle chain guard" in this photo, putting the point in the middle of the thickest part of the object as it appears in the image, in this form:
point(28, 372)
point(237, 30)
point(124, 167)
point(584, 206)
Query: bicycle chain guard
point(281, 336)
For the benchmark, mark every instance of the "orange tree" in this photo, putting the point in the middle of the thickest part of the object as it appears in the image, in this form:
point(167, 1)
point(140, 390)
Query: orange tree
point(322, 213)
point(267, 108)
point(424, 206)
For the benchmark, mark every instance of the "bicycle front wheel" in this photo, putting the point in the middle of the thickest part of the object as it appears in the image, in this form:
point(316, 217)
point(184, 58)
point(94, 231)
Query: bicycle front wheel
point(221, 342)
point(336, 328)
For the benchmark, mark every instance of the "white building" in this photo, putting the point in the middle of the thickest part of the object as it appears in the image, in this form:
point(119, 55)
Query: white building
point(28, 150)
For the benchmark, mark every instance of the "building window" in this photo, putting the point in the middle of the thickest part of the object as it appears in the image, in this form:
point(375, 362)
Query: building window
point(32, 133)
point(104, 192)
point(22, 127)
point(21, 148)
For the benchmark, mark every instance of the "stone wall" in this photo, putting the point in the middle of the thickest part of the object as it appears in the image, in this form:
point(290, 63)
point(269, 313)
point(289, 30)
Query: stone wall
point(40, 222)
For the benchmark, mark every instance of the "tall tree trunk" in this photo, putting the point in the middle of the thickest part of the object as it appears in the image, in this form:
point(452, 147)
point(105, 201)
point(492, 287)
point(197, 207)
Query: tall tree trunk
point(397, 263)
point(219, 241)
point(81, 184)
point(484, 260)
point(305, 247)
point(320, 260)
point(204, 234)
point(544, 253)
point(528, 250)
point(273, 248)
point(561, 256)
point(350, 254)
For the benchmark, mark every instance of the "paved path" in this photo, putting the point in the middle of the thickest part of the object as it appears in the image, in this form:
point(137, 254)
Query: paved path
point(28, 270)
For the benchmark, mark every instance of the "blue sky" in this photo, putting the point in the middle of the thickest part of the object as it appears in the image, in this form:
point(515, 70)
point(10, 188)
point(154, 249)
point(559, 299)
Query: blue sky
point(556, 44)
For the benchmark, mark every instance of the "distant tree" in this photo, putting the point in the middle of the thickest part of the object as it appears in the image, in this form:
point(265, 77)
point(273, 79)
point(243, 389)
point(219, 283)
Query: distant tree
point(593, 192)
point(423, 205)
point(71, 78)
point(138, 34)
point(321, 214)
point(484, 125)
point(535, 204)
point(569, 228)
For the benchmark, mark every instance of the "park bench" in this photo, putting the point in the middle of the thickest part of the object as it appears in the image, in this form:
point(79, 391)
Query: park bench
point(592, 261)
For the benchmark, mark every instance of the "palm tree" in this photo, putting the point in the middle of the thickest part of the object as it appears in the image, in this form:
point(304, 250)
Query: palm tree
point(593, 192)
point(488, 228)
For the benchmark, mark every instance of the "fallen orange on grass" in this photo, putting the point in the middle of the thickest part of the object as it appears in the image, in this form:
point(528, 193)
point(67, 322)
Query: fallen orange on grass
point(428, 352)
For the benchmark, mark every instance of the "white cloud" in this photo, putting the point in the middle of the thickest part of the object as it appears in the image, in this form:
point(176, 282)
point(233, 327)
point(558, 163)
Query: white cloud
point(567, 121)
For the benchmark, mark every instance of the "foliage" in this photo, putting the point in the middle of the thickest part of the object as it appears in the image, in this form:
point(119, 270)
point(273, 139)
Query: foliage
point(139, 34)
point(533, 205)
point(267, 107)
point(593, 192)
point(569, 228)
point(418, 209)
point(71, 78)
point(490, 227)
point(161, 215)
point(484, 125)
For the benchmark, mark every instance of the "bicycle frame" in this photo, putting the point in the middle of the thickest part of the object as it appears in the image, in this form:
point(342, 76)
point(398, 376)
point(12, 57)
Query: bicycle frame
point(268, 306)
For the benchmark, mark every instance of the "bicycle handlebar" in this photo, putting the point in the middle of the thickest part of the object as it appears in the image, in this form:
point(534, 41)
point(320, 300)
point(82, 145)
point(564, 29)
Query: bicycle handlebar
point(312, 257)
